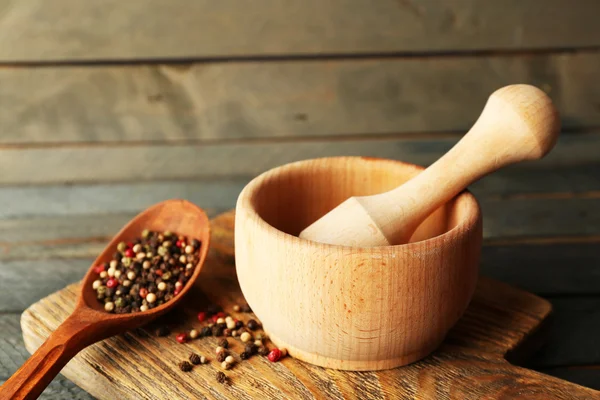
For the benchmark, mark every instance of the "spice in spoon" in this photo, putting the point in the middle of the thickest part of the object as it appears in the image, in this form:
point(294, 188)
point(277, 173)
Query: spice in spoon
point(146, 272)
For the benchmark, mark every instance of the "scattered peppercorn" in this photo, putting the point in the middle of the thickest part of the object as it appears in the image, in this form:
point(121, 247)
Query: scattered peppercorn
point(229, 359)
point(181, 338)
point(203, 360)
point(245, 308)
point(206, 331)
point(185, 366)
point(263, 351)
point(141, 274)
point(224, 343)
point(225, 365)
point(201, 316)
point(250, 348)
point(244, 355)
point(274, 355)
point(221, 356)
point(245, 337)
point(238, 324)
point(162, 331)
point(221, 377)
point(236, 308)
point(193, 334)
point(195, 359)
point(252, 325)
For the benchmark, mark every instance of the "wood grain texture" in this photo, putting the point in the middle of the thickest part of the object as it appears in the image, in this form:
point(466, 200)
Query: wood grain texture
point(237, 100)
point(469, 364)
point(32, 30)
point(137, 163)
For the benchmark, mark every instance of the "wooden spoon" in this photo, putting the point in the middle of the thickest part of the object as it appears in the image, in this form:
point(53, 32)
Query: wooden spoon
point(89, 323)
point(518, 123)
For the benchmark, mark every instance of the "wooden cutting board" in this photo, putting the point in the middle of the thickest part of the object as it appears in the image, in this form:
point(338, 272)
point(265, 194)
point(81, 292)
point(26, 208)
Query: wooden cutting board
point(470, 364)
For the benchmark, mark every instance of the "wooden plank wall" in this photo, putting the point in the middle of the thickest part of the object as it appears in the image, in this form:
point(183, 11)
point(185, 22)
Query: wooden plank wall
point(109, 106)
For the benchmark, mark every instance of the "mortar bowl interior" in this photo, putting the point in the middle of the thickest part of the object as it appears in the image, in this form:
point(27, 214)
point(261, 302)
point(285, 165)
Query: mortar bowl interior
point(346, 307)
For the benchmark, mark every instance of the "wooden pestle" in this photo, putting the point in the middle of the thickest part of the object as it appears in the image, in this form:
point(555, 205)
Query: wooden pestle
point(519, 122)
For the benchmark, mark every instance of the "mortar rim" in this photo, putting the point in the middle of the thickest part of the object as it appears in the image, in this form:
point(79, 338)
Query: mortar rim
point(461, 229)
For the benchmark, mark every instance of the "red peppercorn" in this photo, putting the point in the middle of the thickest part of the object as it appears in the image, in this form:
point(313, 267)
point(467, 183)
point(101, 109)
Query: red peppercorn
point(176, 291)
point(111, 283)
point(179, 243)
point(129, 253)
point(130, 245)
point(201, 316)
point(143, 292)
point(214, 318)
point(158, 272)
point(181, 338)
point(274, 355)
point(221, 314)
point(99, 268)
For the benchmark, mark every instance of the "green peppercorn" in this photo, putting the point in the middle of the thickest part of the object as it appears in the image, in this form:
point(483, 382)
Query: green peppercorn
point(166, 276)
point(101, 290)
point(166, 243)
point(145, 233)
point(162, 251)
point(122, 247)
point(126, 261)
point(119, 302)
point(167, 233)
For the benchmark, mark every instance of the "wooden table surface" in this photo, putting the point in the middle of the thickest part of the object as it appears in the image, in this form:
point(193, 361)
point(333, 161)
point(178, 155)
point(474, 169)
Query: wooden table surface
point(191, 100)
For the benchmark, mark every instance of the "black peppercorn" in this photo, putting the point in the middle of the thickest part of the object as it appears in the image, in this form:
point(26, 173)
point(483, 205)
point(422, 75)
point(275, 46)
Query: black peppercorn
point(223, 343)
point(221, 356)
point(217, 330)
point(185, 366)
point(162, 331)
point(221, 377)
point(206, 331)
point(245, 308)
point(263, 351)
point(244, 355)
point(227, 332)
point(252, 325)
point(239, 324)
point(195, 359)
point(250, 348)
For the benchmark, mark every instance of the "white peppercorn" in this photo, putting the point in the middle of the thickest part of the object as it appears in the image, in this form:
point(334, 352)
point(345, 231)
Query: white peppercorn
point(150, 298)
point(137, 248)
point(143, 308)
point(113, 264)
point(111, 272)
point(110, 306)
point(231, 324)
point(193, 334)
point(147, 264)
point(162, 286)
point(189, 249)
point(97, 283)
point(229, 359)
point(245, 337)
point(117, 274)
point(103, 274)
point(126, 283)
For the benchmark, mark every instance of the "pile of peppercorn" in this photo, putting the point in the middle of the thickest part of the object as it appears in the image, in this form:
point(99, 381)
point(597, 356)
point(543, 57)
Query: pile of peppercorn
point(147, 272)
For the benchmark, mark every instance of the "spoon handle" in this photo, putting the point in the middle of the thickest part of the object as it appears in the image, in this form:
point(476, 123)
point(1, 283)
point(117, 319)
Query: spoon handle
point(38, 371)
point(518, 123)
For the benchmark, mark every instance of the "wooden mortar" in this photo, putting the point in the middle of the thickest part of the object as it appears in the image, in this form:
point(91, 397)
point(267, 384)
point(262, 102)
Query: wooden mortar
point(352, 308)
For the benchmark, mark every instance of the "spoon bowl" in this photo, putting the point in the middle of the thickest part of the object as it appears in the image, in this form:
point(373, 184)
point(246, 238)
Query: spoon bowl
point(89, 323)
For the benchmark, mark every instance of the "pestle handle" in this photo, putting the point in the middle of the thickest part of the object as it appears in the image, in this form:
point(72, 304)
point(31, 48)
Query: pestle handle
point(518, 123)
